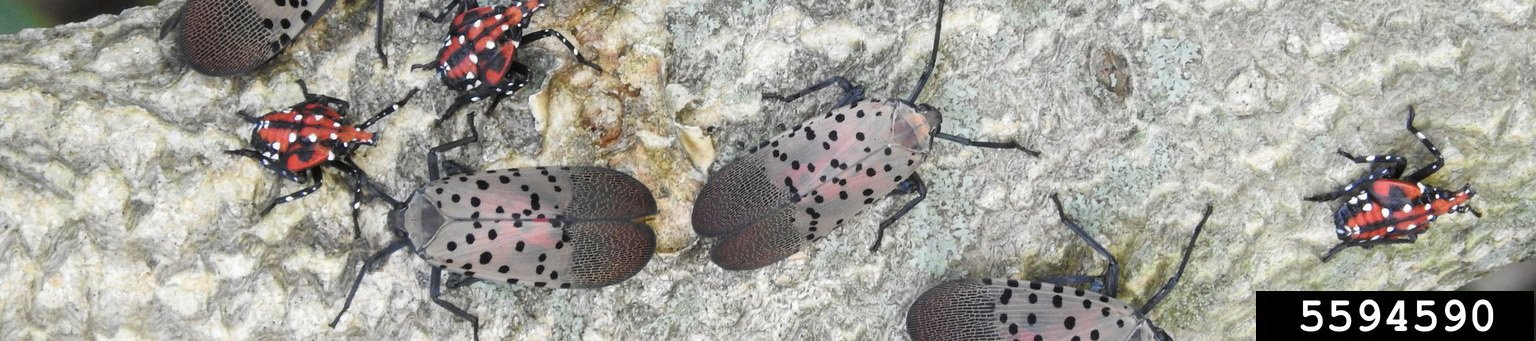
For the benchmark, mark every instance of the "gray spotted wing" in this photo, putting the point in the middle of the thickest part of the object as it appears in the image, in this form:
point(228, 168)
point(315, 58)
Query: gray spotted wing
point(583, 254)
point(1005, 309)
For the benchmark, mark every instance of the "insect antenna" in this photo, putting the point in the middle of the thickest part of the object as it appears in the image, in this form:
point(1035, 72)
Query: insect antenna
point(933, 56)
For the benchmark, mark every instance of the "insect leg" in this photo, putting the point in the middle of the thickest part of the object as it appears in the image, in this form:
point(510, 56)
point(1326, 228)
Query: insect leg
point(851, 92)
point(472, 97)
point(314, 173)
point(375, 259)
point(456, 280)
point(1161, 293)
point(359, 181)
point(1110, 280)
point(378, 35)
point(1397, 163)
point(983, 144)
point(1335, 250)
point(387, 111)
point(545, 33)
point(1431, 168)
point(436, 291)
point(441, 16)
point(912, 184)
point(1353, 187)
point(433, 166)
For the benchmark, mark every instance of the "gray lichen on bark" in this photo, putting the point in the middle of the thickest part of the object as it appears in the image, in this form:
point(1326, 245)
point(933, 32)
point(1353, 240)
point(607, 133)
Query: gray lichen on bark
point(122, 218)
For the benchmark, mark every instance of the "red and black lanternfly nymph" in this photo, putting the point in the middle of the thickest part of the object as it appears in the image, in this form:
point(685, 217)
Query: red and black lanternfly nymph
point(806, 182)
point(1009, 309)
point(1385, 207)
point(478, 54)
point(232, 37)
point(296, 142)
point(556, 227)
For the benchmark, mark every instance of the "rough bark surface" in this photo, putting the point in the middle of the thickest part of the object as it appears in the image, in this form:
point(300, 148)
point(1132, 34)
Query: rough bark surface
point(121, 217)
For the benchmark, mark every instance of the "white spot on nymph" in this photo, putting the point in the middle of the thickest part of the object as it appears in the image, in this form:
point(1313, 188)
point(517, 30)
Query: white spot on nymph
point(1349, 187)
point(476, 24)
point(1428, 208)
point(461, 39)
point(1376, 237)
point(313, 138)
point(472, 99)
point(297, 118)
point(1367, 207)
point(473, 59)
point(1420, 135)
point(335, 124)
point(293, 137)
point(469, 75)
point(490, 44)
point(1407, 207)
point(1412, 226)
point(505, 28)
point(1391, 229)
point(330, 156)
point(356, 205)
point(1385, 213)
point(499, 17)
point(333, 136)
point(1421, 187)
point(1371, 158)
point(447, 42)
point(1338, 231)
point(276, 146)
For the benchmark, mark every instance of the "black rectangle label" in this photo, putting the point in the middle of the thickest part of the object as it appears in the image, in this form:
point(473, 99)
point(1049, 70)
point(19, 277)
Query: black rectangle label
point(1395, 315)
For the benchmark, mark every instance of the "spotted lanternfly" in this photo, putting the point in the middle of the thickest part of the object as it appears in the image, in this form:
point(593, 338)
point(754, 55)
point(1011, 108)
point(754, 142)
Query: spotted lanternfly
point(478, 54)
point(231, 37)
point(809, 180)
point(297, 141)
point(560, 227)
point(1010, 309)
point(1386, 208)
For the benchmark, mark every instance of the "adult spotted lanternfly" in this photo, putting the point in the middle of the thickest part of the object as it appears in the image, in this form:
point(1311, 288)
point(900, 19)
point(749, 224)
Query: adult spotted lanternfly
point(1386, 208)
point(295, 142)
point(477, 56)
point(809, 180)
point(231, 37)
point(1009, 309)
point(564, 227)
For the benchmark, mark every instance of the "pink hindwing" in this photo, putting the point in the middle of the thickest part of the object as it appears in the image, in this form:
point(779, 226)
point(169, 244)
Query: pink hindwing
point(561, 227)
point(228, 37)
point(809, 180)
point(1007, 309)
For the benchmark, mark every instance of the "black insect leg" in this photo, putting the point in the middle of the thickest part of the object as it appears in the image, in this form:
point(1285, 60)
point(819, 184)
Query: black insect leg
point(1092, 283)
point(375, 259)
point(359, 181)
point(1161, 293)
point(545, 33)
point(453, 7)
point(388, 110)
point(378, 35)
point(340, 105)
point(456, 280)
point(1395, 164)
point(436, 291)
point(1110, 280)
point(1353, 187)
point(451, 168)
point(314, 174)
point(433, 166)
point(912, 184)
point(851, 92)
point(983, 144)
point(1431, 168)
